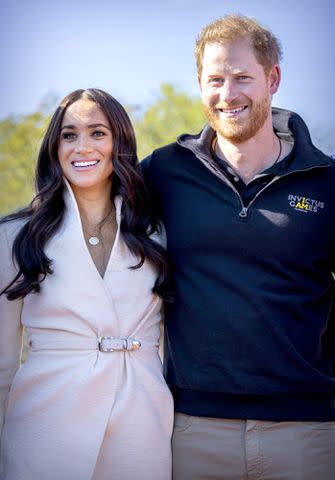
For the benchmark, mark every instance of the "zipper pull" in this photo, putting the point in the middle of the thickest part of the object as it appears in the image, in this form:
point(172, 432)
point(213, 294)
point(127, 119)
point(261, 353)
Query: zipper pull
point(243, 213)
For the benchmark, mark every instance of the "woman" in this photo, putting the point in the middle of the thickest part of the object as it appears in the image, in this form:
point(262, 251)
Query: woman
point(86, 282)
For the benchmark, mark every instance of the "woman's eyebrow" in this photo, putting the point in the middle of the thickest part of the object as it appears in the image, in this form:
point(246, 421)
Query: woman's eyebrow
point(91, 125)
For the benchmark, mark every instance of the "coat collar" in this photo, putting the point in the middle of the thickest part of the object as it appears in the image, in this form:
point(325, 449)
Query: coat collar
point(71, 204)
point(72, 231)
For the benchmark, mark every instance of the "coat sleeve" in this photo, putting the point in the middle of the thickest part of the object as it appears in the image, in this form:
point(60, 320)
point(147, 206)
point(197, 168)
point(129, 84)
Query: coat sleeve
point(10, 322)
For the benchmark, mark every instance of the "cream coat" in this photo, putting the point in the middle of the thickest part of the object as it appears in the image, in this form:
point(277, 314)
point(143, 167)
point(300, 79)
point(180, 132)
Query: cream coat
point(71, 411)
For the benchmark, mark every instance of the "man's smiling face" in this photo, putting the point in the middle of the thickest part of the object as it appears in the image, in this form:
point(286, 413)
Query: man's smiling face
point(235, 90)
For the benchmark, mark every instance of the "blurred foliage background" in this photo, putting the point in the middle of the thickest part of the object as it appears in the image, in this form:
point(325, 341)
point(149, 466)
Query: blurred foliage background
point(172, 113)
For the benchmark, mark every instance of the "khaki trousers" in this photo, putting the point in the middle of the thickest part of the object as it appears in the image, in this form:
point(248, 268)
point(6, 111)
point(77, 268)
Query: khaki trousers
point(220, 449)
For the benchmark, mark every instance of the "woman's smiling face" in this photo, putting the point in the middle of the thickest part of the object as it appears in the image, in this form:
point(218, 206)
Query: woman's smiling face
point(85, 146)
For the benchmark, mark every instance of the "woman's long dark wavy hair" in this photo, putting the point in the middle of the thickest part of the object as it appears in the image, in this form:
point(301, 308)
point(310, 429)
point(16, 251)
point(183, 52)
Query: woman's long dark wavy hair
point(45, 213)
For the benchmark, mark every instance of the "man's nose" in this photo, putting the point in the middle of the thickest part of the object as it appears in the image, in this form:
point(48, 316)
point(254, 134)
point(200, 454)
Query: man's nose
point(228, 92)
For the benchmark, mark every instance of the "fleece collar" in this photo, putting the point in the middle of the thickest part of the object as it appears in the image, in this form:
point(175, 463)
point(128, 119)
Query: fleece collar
point(288, 125)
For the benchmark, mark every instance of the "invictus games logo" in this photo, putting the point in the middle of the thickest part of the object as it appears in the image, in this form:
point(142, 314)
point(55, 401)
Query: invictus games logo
point(304, 204)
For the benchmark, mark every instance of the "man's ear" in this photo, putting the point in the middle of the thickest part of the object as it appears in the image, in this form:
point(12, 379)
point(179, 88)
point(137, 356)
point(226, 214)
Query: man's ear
point(274, 78)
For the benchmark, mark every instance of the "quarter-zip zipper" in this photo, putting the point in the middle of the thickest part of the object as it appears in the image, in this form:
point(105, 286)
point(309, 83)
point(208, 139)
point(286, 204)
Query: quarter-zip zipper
point(222, 176)
point(243, 213)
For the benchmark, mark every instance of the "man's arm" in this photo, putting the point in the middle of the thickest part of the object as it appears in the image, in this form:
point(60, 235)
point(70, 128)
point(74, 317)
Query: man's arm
point(145, 166)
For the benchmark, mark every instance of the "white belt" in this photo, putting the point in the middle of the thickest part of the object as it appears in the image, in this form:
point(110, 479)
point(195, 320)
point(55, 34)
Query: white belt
point(105, 344)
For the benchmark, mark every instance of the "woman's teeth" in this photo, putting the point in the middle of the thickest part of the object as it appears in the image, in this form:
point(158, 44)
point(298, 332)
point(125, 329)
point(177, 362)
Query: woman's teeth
point(85, 164)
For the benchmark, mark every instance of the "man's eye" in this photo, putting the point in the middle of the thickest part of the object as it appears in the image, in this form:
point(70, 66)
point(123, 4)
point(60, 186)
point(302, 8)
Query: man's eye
point(68, 135)
point(216, 80)
point(243, 77)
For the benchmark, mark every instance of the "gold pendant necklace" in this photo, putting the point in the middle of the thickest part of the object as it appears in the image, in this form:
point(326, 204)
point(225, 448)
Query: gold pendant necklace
point(93, 238)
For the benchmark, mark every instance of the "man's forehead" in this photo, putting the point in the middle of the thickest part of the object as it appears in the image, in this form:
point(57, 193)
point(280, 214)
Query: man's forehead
point(239, 43)
point(239, 54)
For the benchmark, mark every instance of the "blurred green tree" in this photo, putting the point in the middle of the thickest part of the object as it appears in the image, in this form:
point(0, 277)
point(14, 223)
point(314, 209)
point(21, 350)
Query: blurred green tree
point(19, 142)
point(174, 112)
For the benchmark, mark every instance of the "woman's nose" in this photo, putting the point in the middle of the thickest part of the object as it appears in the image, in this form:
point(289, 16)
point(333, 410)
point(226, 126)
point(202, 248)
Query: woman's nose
point(83, 144)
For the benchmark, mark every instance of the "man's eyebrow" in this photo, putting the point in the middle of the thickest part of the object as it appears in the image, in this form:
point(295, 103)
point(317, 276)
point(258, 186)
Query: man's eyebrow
point(91, 125)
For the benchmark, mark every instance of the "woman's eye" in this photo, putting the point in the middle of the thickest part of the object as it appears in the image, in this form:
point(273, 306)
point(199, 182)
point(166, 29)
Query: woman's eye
point(68, 135)
point(98, 133)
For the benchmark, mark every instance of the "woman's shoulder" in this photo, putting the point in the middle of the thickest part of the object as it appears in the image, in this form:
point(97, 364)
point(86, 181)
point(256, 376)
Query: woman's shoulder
point(9, 228)
point(8, 232)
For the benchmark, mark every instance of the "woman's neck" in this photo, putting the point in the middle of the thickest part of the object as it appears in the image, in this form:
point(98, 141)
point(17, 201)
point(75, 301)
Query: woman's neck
point(93, 205)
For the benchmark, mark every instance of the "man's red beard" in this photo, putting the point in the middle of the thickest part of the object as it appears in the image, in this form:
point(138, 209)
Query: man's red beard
point(239, 130)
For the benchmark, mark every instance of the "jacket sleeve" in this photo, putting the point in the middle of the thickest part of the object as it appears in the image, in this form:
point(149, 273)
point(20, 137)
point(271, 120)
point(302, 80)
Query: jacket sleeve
point(10, 323)
point(331, 332)
point(144, 165)
point(149, 178)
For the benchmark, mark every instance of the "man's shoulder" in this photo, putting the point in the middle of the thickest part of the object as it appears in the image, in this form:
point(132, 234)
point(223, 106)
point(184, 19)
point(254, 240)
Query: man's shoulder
point(186, 144)
point(291, 127)
point(331, 158)
point(166, 151)
point(163, 158)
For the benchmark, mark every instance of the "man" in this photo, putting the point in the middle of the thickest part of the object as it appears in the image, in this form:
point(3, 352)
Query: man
point(248, 206)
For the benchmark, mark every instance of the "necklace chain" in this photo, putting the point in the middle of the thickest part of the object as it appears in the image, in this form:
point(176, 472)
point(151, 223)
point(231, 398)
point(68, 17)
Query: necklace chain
point(216, 146)
point(96, 237)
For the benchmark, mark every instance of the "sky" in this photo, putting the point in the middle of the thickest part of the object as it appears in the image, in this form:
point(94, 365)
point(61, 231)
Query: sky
point(129, 48)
